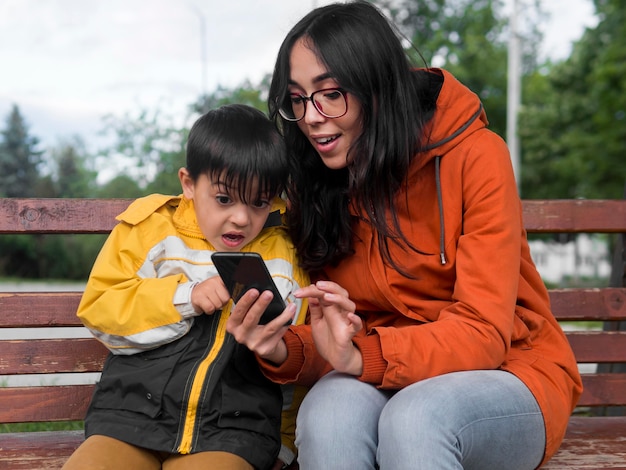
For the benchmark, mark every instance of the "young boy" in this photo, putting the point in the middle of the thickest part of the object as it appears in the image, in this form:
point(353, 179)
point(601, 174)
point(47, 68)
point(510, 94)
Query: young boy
point(177, 391)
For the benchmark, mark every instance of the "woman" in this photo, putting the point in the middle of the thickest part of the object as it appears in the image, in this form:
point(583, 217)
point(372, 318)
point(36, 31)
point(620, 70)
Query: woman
point(431, 344)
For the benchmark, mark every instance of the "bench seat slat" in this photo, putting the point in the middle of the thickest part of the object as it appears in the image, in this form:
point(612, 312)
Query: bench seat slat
point(592, 443)
point(51, 356)
point(37, 450)
point(49, 403)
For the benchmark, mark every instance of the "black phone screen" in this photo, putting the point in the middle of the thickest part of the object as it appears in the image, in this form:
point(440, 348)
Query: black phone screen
point(244, 271)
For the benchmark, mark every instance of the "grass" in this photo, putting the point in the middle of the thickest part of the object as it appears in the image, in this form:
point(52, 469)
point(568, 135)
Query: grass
point(45, 426)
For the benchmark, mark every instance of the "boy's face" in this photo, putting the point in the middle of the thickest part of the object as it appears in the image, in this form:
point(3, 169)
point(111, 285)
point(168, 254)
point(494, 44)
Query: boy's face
point(226, 222)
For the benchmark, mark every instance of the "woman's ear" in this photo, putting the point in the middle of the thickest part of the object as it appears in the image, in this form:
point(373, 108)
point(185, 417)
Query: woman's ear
point(186, 182)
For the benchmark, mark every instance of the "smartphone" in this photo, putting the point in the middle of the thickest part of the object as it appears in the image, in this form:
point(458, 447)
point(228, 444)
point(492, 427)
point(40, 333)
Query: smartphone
point(244, 271)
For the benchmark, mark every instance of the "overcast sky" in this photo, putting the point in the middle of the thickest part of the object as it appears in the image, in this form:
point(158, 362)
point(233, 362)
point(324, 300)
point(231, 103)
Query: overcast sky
point(66, 63)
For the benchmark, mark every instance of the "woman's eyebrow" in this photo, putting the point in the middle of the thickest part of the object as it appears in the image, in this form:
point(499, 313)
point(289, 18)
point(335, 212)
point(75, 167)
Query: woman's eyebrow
point(319, 78)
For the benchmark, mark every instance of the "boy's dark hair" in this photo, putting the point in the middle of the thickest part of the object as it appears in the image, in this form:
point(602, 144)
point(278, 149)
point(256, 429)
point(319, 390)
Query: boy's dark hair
point(238, 145)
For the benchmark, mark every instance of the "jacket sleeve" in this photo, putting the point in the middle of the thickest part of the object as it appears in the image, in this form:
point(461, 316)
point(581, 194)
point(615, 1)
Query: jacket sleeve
point(125, 305)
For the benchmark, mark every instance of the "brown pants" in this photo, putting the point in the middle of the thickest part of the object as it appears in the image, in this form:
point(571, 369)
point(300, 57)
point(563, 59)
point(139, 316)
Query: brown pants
point(106, 453)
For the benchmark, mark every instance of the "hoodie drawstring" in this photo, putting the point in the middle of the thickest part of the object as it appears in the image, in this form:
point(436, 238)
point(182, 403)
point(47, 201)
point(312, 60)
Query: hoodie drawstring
point(442, 229)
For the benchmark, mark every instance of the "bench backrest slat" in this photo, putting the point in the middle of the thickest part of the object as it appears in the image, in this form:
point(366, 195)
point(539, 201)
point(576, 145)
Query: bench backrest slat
point(603, 390)
point(598, 346)
point(60, 215)
point(575, 216)
point(39, 309)
point(582, 304)
point(98, 215)
point(49, 403)
point(47, 309)
point(52, 356)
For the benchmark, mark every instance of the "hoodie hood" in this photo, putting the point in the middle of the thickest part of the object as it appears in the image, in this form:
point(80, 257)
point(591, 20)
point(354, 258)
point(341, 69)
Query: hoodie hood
point(458, 114)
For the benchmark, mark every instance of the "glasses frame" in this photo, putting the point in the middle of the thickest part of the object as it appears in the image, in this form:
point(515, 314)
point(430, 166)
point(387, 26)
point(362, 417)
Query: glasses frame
point(306, 99)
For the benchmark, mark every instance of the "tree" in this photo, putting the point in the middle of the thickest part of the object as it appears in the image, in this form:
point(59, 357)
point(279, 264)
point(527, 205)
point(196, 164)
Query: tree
point(245, 93)
point(467, 38)
point(121, 186)
point(72, 174)
point(572, 126)
point(146, 147)
point(19, 158)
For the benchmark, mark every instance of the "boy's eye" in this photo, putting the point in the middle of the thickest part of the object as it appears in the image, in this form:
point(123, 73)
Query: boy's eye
point(222, 199)
point(261, 203)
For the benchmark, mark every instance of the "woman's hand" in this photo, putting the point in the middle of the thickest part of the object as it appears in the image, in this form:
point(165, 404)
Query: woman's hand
point(334, 324)
point(264, 340)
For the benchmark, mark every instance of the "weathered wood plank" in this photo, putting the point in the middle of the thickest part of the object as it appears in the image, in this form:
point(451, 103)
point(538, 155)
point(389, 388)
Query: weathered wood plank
point(603, 390)
point(98, 215)
point(607, 303)
point(574, 215)
point(49, 403)
point(39, 309)
point(598, 346)
point(59, 215)
point(36, 309)
point(51, 356)
point(37, 450)
point(592, 443)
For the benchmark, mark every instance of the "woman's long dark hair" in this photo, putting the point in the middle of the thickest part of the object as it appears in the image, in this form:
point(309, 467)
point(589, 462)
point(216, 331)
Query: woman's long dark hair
point(365, 56)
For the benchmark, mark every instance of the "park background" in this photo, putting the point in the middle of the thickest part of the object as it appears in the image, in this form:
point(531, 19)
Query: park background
point(97, 98)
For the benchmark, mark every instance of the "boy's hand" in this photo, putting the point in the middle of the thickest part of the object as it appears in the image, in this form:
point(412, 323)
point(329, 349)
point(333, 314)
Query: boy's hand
point(209, 296)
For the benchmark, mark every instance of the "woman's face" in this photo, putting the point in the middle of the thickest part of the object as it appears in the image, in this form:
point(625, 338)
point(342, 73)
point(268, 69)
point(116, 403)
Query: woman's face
point(330, 137)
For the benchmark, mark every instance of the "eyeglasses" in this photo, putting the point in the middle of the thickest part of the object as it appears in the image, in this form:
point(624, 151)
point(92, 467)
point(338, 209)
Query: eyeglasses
point(329, 102)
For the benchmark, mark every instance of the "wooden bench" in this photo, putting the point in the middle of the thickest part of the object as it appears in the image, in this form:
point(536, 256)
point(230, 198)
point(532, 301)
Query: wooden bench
point(593, 441)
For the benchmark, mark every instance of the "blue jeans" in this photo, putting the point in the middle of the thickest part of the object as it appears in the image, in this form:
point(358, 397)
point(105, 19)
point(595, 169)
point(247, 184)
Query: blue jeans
point(484, 419)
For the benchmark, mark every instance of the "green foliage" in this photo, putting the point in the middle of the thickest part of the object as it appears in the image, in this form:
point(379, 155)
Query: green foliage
point(121, 186)
point(49, 256)
point(74, 178)
point(146, 146)
point(18, 255)
point(19, 158)
point(573, 124)
point(68, 256)
point(467, 38)
point(245, 93)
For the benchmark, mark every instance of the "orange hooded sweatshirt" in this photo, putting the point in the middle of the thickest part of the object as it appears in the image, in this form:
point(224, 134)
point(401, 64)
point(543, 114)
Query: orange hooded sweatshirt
point(476, 300)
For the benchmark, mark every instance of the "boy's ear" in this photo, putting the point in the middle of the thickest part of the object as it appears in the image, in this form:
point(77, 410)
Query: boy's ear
point(186, 183)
